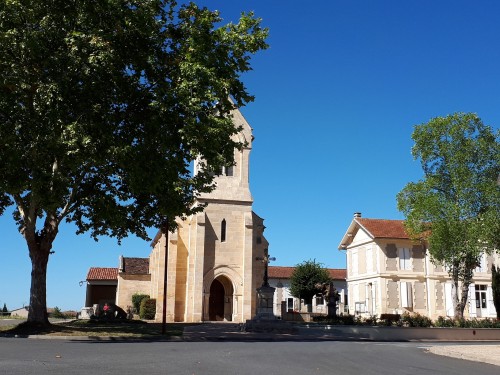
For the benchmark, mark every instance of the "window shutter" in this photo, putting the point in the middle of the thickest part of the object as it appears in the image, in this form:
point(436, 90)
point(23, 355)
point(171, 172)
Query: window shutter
point(472, 301)
point(355, 263)
point(490, 305)
point(369, 260)
point(448, 300)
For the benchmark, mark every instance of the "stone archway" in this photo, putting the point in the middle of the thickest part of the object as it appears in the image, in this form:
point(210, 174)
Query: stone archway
point(220, 301)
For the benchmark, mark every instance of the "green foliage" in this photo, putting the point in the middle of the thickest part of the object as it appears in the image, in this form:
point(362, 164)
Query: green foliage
point(147, 309)
point(344, 319)
point(57, 313)
point(307, 280)
point(466, 323)
point(105, 105)
point(415, 320)
point(4, 310)
point(390, 319)
point(456, 206)
point(407, 320)
point(495, 286)
point(137, 299)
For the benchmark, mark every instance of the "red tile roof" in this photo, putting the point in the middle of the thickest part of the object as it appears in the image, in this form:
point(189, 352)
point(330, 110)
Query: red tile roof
point(136, 266)
point(102, 273)
point(381, 228)
point(278, 272)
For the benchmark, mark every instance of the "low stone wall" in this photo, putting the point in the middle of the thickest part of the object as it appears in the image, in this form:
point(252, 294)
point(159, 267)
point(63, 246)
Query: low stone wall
point(299, 316)
point(402, 333)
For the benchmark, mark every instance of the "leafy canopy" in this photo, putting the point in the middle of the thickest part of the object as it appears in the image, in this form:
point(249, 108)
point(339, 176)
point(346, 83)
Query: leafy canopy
point(104, 105)
point(456, 206)
point(307, 280)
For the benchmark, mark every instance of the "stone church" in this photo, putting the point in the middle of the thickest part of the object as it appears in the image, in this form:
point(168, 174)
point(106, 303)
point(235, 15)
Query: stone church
point(211, 260)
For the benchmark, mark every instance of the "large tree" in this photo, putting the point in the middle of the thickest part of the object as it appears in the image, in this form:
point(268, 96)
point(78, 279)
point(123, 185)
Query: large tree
point(455, 208)
point(104, 106)
point(308, 279)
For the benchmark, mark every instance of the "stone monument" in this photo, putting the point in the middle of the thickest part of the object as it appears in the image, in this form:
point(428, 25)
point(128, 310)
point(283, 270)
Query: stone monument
point(265, 320)
point(265, 294)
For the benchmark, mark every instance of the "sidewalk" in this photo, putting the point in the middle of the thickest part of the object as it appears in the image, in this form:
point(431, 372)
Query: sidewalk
point(478, 353)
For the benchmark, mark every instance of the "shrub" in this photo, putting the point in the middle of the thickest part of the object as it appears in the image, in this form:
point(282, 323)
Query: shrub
point(148, 309)
point(338, 320)
point(441, 321)
point(57, 313)
point(390, 319)
point(137, 299)
point(371, 320)
point(347, 319)
point(416, 320)
point(464, 323)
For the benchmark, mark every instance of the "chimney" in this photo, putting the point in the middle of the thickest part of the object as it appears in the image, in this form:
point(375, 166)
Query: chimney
point(121, 264)
point(357, 214)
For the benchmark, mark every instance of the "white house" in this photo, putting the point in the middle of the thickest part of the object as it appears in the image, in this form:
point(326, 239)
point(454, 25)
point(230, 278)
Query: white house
point(389, 273)
point(279, 278)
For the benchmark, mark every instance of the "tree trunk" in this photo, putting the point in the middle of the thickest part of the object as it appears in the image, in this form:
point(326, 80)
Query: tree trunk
point(457, 311)
point(495, 286)
point(464, 297)
point(39, 254)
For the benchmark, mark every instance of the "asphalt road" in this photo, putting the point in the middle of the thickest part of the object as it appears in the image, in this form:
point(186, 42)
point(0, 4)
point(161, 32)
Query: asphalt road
point(56, 356)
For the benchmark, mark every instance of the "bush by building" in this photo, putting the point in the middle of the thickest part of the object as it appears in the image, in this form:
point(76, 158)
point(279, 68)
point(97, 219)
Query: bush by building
point(148, 308)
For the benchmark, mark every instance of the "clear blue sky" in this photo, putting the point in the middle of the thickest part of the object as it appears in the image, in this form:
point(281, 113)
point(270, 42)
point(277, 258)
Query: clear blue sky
point(337, 95)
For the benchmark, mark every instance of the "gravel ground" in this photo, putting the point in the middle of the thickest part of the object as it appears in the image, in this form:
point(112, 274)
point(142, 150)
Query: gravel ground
point(479, 353)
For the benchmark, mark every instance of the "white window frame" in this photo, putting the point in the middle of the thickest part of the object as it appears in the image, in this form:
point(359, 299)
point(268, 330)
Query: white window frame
point(406, 294)
point(483, 264)
point(359, 307)
point(404, 259)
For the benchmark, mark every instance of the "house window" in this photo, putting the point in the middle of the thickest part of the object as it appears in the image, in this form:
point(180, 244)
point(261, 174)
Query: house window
point(226, 171)
point(289, 304)
point(404, 259)
point(482, 264)
point(223, 230)
point(481, 296)
point(360, 307)
point(319, 300)
point(406, 294)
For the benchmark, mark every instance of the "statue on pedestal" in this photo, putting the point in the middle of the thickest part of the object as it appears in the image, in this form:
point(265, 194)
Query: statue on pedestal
point(331, 297)
point(265, 293)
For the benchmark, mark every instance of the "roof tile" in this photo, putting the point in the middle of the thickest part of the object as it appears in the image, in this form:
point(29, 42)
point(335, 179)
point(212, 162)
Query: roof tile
point(136, 266)
point(102, 273)
point(278, 272)
point(381, 228)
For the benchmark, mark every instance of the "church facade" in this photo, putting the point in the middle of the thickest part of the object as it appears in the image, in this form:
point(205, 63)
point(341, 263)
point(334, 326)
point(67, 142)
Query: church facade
point(209, 262)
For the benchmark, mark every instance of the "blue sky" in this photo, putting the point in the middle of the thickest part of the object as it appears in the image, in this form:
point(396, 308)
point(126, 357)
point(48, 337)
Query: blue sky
point(337, 95)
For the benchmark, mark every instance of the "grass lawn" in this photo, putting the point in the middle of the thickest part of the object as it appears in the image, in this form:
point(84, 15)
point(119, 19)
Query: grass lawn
point(129, 329)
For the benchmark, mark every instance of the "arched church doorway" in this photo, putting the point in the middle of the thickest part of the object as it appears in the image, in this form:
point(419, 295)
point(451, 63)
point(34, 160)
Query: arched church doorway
point(220, 302)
